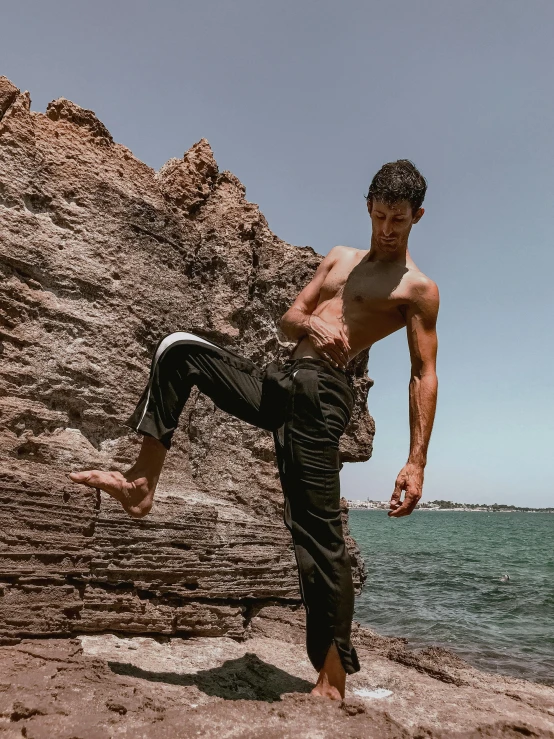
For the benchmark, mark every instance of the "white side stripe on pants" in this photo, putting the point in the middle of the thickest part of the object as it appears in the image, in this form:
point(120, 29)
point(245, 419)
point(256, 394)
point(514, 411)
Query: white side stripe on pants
point(179, 337)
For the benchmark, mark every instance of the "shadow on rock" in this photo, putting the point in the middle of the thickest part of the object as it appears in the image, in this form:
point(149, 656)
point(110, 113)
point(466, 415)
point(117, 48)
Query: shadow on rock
point(246, 678)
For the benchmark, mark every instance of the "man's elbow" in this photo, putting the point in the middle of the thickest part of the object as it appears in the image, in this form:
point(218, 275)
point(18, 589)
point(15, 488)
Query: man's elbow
point(282, 323)
point(285, 325)
point(292, 323)
point(423, 373)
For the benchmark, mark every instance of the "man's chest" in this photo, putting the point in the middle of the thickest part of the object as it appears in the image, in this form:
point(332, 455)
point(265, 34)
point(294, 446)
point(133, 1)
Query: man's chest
point(370, 288)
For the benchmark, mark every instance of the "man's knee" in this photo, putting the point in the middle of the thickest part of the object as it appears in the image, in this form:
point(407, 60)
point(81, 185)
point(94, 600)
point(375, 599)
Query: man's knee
point(179, 339)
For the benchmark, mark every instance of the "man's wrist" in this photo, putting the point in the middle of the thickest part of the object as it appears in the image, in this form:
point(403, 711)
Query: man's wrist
point(417, 462)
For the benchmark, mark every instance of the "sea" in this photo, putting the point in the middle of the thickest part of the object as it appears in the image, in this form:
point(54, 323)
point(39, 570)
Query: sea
point(435, 577)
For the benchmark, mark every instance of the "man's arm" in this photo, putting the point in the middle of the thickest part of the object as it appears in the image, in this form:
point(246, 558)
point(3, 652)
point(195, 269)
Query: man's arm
point(298, 321)
point(421, 319)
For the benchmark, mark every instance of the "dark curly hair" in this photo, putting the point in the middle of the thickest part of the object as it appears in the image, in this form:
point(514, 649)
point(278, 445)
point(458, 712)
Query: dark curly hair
point(398, 181)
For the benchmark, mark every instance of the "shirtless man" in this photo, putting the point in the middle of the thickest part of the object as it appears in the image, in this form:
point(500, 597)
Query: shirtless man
point(356, 298)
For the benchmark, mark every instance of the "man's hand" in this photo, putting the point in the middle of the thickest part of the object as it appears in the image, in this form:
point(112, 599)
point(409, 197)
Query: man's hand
point(410, 479)
point(329, 341)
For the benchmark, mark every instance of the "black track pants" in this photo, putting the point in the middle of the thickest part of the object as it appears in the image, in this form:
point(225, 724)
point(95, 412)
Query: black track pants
point(307, 404)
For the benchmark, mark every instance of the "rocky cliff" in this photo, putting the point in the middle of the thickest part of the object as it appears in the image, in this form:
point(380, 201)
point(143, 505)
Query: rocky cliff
point(99, 257)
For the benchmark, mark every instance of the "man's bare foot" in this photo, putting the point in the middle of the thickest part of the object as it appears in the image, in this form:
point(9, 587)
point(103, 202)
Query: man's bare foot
point(133, 492)
point(134, 489)
point(331, 682)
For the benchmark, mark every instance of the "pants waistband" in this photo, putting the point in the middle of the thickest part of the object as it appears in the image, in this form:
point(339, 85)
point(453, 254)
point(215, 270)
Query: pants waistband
point(321, 365)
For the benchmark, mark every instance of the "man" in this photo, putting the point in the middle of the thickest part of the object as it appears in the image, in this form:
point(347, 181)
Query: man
point(355, 299)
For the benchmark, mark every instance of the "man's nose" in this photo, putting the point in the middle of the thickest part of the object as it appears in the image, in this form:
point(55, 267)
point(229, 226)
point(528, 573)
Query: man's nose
point(387, 229)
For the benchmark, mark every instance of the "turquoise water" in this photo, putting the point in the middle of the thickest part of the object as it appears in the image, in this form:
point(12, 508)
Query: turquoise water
point(434, 577)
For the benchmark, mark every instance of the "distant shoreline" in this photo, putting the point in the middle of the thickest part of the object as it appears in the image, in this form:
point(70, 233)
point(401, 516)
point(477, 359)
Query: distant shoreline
point(360, 505)
point(484, 510)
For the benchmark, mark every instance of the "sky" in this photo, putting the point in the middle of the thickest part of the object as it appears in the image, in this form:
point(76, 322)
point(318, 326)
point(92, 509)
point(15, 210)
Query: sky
point(304, 100)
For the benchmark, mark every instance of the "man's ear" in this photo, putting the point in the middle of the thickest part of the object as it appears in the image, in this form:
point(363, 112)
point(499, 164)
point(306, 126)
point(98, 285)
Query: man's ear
point(418, 215)
point(369, 205)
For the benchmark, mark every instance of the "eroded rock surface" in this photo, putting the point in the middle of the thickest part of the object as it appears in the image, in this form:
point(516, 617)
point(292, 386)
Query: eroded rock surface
point(100, 256)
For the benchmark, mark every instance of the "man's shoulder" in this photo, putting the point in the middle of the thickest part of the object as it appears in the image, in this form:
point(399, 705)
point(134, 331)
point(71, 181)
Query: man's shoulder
point(344, 252)
point(341, 248)
point(421, 289)
point(419, 280)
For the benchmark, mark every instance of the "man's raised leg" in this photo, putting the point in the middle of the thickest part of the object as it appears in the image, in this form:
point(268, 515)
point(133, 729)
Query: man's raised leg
point(135, 488)
point(181, 360)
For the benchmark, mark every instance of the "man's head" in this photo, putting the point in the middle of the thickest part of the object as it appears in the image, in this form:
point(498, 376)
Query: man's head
point(394, 203)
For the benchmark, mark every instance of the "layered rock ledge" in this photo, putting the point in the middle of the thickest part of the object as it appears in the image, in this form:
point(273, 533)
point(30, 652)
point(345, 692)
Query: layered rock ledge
point(100, 256)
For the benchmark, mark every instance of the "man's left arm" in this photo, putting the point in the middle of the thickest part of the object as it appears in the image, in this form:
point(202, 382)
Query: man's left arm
point(421, 320)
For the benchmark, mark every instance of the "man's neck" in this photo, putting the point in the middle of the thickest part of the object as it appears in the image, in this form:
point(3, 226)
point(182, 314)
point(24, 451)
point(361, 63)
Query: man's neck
point(401, 257)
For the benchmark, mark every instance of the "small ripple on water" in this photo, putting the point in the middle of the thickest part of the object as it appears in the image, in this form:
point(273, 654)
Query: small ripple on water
point(436, 577)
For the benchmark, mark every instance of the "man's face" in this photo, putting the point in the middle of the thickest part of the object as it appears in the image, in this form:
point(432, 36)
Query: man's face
point(392, 225)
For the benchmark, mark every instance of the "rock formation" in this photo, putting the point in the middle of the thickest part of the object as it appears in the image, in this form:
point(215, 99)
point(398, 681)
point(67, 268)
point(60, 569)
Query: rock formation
point(100, 256)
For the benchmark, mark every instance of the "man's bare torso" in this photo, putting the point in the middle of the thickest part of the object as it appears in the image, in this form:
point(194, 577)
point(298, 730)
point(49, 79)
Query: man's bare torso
point(368, 299)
